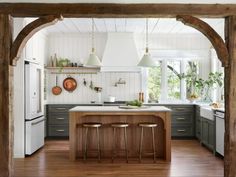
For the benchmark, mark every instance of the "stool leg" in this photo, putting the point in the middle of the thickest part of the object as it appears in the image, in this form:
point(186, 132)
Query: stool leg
point(141, 144)
point(98, 145)
point(126, 151)
point(114, 144)
point(85, 144)
point(153, 145)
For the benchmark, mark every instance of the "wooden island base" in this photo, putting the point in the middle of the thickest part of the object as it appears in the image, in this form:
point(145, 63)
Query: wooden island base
point(133, 117)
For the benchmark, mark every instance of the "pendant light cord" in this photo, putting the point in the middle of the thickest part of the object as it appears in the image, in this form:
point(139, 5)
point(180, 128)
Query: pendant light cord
point(93, 49)
point(146, 35)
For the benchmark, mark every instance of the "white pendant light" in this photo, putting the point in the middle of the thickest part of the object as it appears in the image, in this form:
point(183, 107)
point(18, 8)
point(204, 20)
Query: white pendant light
point(93, 59)
point(146, 60)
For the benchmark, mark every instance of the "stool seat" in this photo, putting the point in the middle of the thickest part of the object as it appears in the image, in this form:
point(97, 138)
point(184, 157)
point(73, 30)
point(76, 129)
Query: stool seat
point(147, 124)
point(119, 124)
point(92, 124)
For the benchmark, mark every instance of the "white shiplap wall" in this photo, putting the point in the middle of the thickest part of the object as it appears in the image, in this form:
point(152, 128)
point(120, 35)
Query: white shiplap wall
point(83, 94)
point(77, 47)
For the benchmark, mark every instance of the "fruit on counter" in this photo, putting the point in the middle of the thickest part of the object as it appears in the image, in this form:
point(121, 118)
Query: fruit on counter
point(134, 103)
point(216, 105)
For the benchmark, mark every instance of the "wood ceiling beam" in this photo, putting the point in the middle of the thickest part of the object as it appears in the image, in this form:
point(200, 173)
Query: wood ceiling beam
point(210, 33)
point(27, 32)
point(102, 10)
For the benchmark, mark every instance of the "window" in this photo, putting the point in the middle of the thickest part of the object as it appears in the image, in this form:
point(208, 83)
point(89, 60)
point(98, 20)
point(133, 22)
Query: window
point(166, 81)
point(154, 83)
point(173, 80)
point(192, 74)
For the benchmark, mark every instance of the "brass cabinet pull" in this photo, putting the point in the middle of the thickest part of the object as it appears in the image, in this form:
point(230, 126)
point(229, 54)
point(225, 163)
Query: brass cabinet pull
point(180, 118)
point(60, 118)
point(181, 130)
point(60, 130)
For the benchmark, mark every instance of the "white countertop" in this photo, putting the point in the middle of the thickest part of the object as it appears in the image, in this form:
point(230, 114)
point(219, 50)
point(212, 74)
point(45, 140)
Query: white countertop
point(117, 109)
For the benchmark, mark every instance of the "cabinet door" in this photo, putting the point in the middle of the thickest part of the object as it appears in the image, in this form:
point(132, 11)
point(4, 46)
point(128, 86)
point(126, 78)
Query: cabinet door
point(204, 133)
point(32, 49)
point(211, 134)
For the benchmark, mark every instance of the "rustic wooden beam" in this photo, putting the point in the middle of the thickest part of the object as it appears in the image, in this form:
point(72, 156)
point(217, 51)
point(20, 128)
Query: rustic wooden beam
point(6, 77)
point(210, 33)
point(27, 32)
point(117, 10)
point(230, 99)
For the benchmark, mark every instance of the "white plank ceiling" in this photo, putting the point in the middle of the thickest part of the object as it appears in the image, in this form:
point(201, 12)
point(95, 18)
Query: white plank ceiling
point(135, 25)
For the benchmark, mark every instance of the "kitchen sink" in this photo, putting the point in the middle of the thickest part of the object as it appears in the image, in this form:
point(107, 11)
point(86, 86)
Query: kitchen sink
point(207, 112)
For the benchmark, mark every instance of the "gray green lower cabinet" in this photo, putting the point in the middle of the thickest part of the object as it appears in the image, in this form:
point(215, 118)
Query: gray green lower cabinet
point(182, 121)
point(58, 119)
point(207, 133)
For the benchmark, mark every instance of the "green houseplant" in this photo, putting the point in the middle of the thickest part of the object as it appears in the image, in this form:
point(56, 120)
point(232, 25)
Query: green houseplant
point(203, 87)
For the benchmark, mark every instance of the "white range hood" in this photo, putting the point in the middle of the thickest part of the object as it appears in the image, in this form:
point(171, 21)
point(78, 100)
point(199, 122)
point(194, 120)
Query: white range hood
point(120, 54)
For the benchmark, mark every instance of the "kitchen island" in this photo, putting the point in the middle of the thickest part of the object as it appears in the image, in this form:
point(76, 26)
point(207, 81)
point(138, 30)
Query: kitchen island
point(111, 114)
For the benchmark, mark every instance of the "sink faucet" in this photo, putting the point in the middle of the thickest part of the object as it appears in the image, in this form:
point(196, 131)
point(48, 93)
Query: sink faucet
point(120, 81)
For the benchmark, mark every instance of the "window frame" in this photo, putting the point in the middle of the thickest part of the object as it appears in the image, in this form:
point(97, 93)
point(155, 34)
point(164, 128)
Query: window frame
point(164, 77)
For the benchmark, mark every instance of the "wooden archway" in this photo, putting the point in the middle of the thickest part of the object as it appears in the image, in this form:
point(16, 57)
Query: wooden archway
point(210, 33)
point(27, 32)
point(9, 53)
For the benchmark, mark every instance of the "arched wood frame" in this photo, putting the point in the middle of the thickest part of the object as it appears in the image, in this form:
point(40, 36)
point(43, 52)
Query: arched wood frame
point(74, 10)
point(210, 33)
point(27, 32)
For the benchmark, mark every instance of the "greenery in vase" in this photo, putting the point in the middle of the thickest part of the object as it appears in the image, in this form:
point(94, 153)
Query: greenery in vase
point(203, 87)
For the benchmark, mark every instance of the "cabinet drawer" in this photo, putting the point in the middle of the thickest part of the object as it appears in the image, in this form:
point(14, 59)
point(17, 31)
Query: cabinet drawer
point(57, 109)
point(55, 118)
point(182, 118)
point(181, 109)
point(182, 131)
point(58, 130)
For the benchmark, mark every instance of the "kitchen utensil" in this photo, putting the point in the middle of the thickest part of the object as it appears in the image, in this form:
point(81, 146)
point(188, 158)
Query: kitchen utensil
point(91, 85)
point(56, 90)
point(69, 84)
point(85, 82)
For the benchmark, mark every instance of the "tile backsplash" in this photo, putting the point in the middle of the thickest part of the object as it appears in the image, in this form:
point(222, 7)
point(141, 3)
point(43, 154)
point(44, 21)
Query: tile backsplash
point(83, 94)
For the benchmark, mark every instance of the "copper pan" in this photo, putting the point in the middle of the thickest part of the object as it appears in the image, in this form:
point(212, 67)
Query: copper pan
point(56, 90)
point(69, 84)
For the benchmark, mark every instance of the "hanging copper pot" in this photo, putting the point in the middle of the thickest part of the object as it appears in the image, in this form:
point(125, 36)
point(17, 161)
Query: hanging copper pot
point(56, 90)
point(69, 84)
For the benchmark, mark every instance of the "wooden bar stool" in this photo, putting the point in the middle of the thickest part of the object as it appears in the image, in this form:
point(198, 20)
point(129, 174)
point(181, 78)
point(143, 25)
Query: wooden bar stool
point(124, 126)
point(88, 125)
point(152, 126)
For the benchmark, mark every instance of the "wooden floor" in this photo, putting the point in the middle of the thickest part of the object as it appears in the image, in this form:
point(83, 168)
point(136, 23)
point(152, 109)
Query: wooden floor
point(189, 159)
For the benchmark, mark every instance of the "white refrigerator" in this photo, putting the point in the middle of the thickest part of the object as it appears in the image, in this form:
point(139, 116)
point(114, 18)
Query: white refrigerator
point(34, 118)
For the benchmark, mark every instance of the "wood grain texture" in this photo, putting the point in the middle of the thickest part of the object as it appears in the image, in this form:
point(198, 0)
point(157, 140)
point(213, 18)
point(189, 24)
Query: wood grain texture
point(162, 132)
point(230, 99)
point(6, 77)
point(27, 32)
point(210, 33)
point(189, 159)
point(117, 10)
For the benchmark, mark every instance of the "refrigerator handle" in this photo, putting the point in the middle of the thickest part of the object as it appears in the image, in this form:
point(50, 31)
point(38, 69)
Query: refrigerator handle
point(35, 123)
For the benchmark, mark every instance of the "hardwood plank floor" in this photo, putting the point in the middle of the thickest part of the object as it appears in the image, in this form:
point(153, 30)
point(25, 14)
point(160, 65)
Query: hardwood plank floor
point(189, 159)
